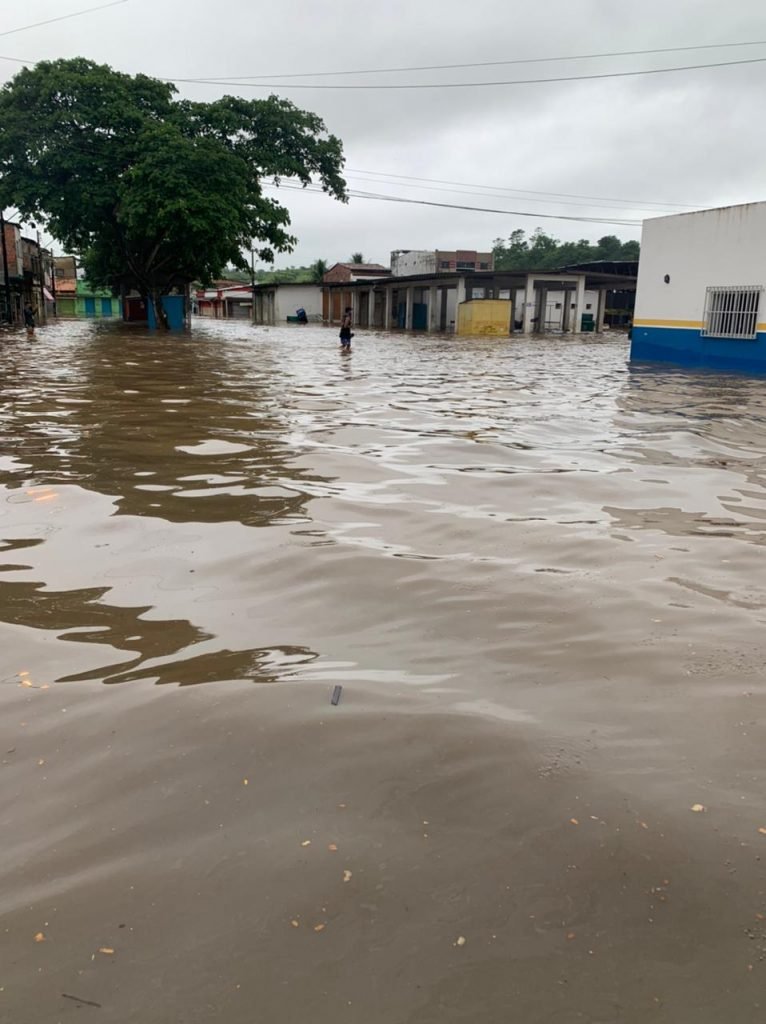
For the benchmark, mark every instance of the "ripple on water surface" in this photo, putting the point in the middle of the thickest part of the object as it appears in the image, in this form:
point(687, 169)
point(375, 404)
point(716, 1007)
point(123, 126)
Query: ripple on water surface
point(537, 575)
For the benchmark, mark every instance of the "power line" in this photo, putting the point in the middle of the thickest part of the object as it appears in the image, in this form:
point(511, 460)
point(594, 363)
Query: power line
point(474, 85)
point(61, 17)
point(497, 188)
point(493, 63)
point(356, 194)
point(608, 204)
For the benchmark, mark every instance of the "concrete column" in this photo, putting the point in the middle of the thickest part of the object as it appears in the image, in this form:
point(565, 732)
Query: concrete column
point(388, 292)
point(579, 304)
point(541, 306)
point(462, 293)
point(355, 307)
point(529, 300)
point(433, 311)
point(601, 316)
point(443, 309)
point(410, 302)
point(566, 319)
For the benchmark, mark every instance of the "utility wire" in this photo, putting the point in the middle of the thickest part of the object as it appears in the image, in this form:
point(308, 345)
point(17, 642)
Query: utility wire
point(494, 63)
point(61, 17)
point(531, 192)
point(356, 194)
point(606, 204)
point(474, 85)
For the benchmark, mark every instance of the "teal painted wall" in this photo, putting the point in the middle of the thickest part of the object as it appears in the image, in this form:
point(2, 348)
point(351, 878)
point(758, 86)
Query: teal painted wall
point(98, 303)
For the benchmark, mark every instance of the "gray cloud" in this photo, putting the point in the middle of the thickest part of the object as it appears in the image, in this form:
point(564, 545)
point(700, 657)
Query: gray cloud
point(690, 137)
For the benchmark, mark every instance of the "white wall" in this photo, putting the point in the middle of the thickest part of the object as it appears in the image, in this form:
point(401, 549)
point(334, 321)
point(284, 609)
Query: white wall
point(451, 309)
point(290, 297)
point(416, 261)
point(713, 247)
point(552, 315)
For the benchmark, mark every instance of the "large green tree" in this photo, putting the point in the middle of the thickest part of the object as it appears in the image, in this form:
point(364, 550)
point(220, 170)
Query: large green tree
point(152, 191)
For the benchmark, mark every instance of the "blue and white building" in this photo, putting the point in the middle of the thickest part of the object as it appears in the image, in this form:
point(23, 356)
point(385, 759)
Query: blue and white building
point(700, 299)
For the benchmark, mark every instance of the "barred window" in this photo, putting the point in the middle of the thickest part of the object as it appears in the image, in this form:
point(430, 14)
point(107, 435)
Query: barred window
point(732, 312)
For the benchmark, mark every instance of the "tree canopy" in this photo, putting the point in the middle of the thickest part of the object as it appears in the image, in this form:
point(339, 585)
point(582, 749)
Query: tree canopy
point(543, 252)
point(152, 191)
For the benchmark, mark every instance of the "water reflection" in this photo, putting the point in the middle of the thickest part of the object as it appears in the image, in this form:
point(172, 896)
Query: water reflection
point(189, 432)
point(267, 665)
point(705, 429)
point(378, 475)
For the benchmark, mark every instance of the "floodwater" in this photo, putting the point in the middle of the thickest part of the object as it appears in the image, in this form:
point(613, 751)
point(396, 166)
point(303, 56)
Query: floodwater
point(539, 577)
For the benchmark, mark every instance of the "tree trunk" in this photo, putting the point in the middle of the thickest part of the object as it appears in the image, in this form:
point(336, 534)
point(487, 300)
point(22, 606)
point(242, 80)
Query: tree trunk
point(154, 298)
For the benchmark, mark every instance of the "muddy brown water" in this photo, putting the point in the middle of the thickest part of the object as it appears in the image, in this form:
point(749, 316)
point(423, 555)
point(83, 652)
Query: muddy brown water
point(538, 576)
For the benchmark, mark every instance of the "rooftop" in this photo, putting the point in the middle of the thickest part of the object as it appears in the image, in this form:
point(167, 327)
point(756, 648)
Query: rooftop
point(361, 266)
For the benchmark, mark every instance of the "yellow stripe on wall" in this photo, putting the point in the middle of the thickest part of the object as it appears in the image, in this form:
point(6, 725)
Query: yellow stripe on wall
point(694, 324)
point(668, 323)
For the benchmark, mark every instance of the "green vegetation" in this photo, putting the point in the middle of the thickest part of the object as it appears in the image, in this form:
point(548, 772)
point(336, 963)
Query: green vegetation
point(542, 252)
point(150, 191)
point(286, 275)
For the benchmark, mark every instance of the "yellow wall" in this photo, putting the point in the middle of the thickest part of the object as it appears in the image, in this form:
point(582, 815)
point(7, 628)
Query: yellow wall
point(484, 316)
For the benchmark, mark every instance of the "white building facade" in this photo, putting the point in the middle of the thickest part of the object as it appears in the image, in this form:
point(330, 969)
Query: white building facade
point(700, 298)
point(412, 262)
point(274, 303)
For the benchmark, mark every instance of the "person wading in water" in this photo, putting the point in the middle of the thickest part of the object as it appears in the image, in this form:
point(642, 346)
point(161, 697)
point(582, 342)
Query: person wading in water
point(345, 330)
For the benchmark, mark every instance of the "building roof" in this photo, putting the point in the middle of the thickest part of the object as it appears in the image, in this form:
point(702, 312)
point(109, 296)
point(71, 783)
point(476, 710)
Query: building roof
point(361, 267)
point(594, 276)
point(621, 268)
point(265, 285)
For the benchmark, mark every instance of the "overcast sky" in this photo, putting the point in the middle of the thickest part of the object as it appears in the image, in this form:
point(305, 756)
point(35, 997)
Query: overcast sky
point(692, 137)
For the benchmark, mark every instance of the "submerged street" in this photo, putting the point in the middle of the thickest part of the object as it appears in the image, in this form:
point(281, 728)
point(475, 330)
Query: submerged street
point(537, 575)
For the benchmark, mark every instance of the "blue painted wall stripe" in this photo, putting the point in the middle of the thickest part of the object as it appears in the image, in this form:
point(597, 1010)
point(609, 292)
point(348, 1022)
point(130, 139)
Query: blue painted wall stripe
point(687, 347)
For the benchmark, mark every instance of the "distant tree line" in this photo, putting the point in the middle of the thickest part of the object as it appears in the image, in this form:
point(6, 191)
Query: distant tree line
point(541, 251)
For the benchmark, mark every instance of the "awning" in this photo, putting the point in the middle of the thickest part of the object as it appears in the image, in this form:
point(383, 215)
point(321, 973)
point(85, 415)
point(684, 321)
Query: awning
point(48, 295)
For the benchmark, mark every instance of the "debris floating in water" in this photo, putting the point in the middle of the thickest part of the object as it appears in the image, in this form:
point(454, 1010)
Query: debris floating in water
point(698, 808)
point(40, 937)
point(346, 875)
point(306, 842)
point(78, 999)
point(337, 691)
point(461, 940)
